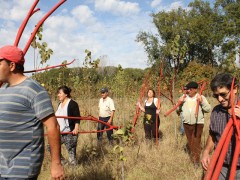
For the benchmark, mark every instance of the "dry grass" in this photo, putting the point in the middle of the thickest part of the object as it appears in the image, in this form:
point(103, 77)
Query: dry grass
point(145, 160)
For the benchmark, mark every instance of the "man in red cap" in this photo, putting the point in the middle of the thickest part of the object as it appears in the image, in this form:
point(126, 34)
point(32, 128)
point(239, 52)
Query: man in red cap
point(25, 107)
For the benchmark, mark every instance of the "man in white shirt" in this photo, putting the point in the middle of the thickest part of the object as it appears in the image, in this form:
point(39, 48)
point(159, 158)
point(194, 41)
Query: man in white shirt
point(106, 113)
point(193, 124)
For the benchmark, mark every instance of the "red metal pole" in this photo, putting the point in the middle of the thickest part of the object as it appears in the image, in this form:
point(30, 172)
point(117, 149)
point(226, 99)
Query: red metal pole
point(39, 24)
point(25, 21)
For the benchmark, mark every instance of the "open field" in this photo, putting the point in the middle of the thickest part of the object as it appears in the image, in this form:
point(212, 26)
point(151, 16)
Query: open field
point(144, 160)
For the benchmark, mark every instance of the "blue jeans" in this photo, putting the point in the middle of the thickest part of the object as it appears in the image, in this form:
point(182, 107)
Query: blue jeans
point(102, 127)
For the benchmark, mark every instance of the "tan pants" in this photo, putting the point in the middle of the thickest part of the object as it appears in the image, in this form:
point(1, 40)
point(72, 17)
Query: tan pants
point(194, 133)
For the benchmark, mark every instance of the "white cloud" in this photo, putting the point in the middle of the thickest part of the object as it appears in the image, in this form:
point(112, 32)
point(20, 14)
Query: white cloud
point(176, 5)
point(16, 12)
point(84, 14)
point(172, 6)
point(70, 31)
point(155, 3)
point(117, 7)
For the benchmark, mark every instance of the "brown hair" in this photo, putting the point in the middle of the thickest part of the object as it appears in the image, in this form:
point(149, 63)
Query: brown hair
point(150, 89)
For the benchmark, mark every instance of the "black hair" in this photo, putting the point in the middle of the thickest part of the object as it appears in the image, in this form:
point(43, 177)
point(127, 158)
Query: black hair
point(19, 67)
point(150, 89)
point(223, 80)
point(66, 90)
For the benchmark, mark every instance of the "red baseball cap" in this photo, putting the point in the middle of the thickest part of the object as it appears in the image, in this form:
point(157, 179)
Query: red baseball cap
point(12, 53)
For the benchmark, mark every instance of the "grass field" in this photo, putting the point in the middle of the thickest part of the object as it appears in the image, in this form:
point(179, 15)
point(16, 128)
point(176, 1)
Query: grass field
point(144, 159)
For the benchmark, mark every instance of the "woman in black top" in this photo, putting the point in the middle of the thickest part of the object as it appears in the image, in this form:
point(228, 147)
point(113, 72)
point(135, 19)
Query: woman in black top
point(151, 113)
point(68, 107)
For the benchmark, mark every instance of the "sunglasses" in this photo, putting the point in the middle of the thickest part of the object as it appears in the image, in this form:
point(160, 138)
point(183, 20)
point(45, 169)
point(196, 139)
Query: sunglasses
point(223, 95)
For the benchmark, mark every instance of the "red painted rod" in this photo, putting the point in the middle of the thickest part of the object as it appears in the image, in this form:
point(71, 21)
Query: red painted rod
point(90, 118)
point(175, 107)
point(39, 24)
point(217, 151)
point(219, 154)
point(198, 100)
point(50, 67)
point(25, 21)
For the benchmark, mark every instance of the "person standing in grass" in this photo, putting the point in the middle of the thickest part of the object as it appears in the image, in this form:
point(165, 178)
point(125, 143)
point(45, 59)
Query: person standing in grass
point(68, 127)
point(106, 114)
point(221, 87)
point(193, 125)
point(151, 114)
point(25, 107)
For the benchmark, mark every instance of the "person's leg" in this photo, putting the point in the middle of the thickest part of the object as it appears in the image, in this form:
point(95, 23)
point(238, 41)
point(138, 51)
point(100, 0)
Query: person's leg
point(196, 144)
point(63, 141)
point(154, 129)
point(148, 130)
point(110, 132)
point(71, 145)
point(189, 129)
point(100, 127)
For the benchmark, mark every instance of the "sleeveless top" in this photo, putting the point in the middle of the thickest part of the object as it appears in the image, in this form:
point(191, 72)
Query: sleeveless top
point(150, 113)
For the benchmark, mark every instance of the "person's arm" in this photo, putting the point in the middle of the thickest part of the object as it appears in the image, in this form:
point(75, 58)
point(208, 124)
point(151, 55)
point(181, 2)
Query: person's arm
point(156, 101)
point(53, 131)
point(206, 153)
point(204, 104)
point(76, 113)
point(141, 107)
point(112, 108)
point(111, 117)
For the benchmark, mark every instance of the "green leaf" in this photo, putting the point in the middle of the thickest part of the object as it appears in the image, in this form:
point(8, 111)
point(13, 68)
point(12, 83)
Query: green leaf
point(119, 132)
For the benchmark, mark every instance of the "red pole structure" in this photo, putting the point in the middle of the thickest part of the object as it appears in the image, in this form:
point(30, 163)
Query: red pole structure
point(25, 21)
point(175, 107)
point(217, 151)
point(219, 154)
point(142, 91)
point(198, 100)
point(159, 103)
point(39, 24)
point(50, 67)
point(90, 118)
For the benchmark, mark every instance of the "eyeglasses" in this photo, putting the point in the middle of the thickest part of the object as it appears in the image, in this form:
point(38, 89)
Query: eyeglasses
point(223, 95)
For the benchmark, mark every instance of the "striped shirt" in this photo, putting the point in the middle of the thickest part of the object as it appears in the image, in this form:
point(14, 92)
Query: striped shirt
point(22, 107)
point(219, 120)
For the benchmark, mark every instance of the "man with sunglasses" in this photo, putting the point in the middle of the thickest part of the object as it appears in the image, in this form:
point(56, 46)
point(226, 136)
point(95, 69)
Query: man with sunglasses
point(193, 124)
point(221, 86)
point(106, 113)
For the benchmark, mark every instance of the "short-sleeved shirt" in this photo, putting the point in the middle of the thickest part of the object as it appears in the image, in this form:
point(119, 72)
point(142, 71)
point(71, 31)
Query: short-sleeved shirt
point(106, 106)
point(22, 107)
point(219, 119)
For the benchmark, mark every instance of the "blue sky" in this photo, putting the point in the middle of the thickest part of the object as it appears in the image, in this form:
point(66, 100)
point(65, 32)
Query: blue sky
point(108, 28)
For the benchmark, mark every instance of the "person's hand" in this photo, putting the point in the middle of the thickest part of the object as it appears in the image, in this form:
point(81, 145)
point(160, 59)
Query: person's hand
point(205, 160)
point(237, 111)
point(57, 171)
point(199, 98)
point(75, 131)
point(181, 99)
point(157, 111)
point(110, 121)
point(138, 104)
